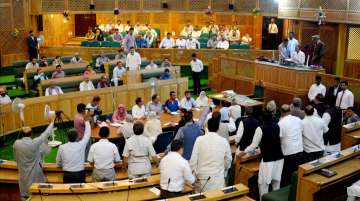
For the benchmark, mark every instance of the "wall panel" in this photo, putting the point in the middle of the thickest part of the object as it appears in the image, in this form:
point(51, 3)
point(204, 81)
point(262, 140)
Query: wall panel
point(245, 5)
point(104, 5)
point(176, 5)
point(129, 4)
point(5, 24)
point(220, 5)
point(198, 5)
point(53, 5)
point(19, 18)
point(269, 7)
point(79, 5)
point(152, 4)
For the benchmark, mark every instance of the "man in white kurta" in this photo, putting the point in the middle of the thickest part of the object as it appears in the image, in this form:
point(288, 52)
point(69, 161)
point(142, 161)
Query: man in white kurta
point(28, 158)
point(133, 60)
point(316, 88)
point(86, 85)
point(345, 98)
point(210, 159)
point(353, 191)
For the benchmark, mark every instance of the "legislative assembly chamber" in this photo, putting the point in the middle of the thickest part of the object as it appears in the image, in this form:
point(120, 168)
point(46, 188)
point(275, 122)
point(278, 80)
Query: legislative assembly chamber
point(240, 100)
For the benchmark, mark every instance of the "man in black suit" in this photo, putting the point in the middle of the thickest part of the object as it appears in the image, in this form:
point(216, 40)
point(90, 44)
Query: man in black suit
point(32, 45)
point(319, 50)
point(332, 92)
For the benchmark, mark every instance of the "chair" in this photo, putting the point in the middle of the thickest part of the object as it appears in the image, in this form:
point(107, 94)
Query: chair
point(287, 193)
point(162, 141)
point(258, 92)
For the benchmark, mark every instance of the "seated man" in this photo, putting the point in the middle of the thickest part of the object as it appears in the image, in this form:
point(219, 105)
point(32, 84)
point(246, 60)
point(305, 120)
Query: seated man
point(76, 59)
point(94, 108)
point(188, 102)
point(53, 89)
point(120, 55)
point(166, 63)
point(234, 35)
point(212, 42)
point(174, 171)
point(149, 37)
point(90, 35)
point(298, 56)
point(151, 65)
point(103, 83)
point(43, 62)
point(172, 104)
point(196, 33)
point(104, 155)
point(246, 39)
point(57, 61)
point(100, 61)
point(59, 73)
point(89, 71)
point(86, 85)
point(71, 156)
point(116, 36)
point(140, 42)
point(192, 43)
point(223, 44)
point(188, 29)
point(137, 153)
point(155, 105)
point(4, 99)
point(40, 75)
point(118, 73)
point(138, 110)
point(167, 42)
point(166, 75)
point(350, 116)
point(181, 42)
point(32, 64)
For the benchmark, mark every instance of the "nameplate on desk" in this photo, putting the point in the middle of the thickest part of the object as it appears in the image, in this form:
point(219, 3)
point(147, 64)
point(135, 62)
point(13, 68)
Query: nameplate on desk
point(197, 196)
point(108, 184)
point(229, 189)
point(139, 180)
point(45, 185)
point(77, 186)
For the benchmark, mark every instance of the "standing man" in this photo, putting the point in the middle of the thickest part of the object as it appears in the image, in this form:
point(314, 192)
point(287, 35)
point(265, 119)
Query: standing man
point(104, 155)
point(129, 40)
point(246, 130)
point(32, 45)
point(210, 159)
point(71, 156)
point(291, 143)
point(316, 88)
point(345, 98)
point(273, 33)
point(133, 60)
point(28, 154)
point(298, 56)
point(333, 91)
point(283, 50)
point(4, 98)
point(319, 50)
point(196, 67)
point(313, 135)
point(293, 43)
point(174, 172)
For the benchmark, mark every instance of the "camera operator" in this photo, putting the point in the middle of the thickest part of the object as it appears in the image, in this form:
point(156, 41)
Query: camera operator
point(94, 108)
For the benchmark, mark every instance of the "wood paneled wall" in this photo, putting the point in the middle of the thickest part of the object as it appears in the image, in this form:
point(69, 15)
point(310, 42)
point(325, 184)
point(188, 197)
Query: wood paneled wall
point(57, 29)
point(126, 94)
point(13, 15)
point(352, 68)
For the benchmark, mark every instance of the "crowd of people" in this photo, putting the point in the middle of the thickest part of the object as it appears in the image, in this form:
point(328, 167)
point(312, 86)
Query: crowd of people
point(144, 36)
point(200, 151)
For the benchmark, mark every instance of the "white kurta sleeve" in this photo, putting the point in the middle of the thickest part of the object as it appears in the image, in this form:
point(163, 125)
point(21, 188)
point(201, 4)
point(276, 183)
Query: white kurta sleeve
point(239, 132)
point(255, 142)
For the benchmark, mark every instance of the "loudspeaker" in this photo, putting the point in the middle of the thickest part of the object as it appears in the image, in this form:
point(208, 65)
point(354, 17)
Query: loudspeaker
point(39, 21)
point(92, 6)
point(231, 6)
point(116, 12)
point(165, 5)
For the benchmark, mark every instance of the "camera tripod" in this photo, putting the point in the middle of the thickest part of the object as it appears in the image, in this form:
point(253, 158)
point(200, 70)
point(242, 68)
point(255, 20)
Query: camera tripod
point(59, 121)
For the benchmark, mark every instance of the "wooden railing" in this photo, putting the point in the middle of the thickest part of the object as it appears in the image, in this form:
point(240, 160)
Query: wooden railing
point(110, 98)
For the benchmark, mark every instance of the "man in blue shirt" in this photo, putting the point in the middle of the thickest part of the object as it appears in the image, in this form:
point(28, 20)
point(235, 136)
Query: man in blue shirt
point(129, 40)
point(140, 42)
point(172, 104)
point(166, 75)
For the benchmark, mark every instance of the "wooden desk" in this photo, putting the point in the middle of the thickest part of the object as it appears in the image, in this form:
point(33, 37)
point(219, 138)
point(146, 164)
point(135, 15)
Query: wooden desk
point(30, 72)
point(167, 120)
point(135, 76)
point(246, 102)
point(281, 83)
point(350, 135)
point(218, 194)
point(72, 79)
point(310, 182)
point(245, 168)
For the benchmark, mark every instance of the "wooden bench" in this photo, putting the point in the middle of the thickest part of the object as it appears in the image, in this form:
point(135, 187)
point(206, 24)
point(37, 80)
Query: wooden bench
point(69, 69)
point(65, 83)
point(350, 135)
point(312, 186)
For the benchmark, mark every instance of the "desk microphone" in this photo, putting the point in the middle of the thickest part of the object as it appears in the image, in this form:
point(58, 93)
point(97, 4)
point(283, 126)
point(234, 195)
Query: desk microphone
point(207, 180)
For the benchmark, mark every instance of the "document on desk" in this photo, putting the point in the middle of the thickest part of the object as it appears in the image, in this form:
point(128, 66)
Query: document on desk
point(155, 190)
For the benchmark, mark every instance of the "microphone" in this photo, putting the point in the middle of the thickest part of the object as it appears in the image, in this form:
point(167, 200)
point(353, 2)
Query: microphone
point(207, 180)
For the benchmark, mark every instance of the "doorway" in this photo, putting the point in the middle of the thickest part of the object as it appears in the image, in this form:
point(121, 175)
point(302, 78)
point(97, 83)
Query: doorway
point(266, 43)
point(83, 22)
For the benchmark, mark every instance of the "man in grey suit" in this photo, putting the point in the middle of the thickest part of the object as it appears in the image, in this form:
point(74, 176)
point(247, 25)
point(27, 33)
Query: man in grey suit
point(28, 154)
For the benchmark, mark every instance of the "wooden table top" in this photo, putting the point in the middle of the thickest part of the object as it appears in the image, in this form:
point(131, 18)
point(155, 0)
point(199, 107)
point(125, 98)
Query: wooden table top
point(65, 66)
point(167, 120)
point(69, 79)
point(248, 102)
